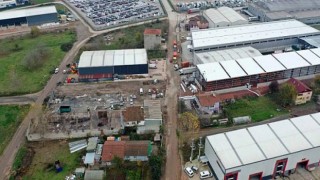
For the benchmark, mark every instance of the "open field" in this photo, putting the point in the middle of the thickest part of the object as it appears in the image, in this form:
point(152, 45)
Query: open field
point(259, 108)
point(46, 153)
point(15, 77)
point(10, 118)
point(40, 1)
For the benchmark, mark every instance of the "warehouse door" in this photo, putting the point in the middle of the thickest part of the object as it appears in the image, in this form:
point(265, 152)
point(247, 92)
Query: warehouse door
point(256, 176)
point(231, 176)
point(302, 165)
point(280, 167)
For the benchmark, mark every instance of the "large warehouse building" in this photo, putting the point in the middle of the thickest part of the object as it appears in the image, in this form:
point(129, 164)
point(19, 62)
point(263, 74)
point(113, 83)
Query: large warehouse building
point(223, 17)
point(266, 37)
point(307, 11)
point(29, 16)
point(103, 65)
point(257, 70)
point(265, 151)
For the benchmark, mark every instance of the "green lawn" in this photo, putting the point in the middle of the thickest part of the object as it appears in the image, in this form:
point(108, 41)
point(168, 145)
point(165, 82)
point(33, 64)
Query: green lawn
point(42, 166)
point(15, 78)
point(317, 26)
point(10, 118)
point(259, 108)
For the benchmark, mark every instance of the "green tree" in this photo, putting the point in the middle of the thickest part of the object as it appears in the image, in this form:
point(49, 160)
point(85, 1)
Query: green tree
point(287, 94)
point(189, 122)
point(155, 163)
point(117, 162)
point(66, 46)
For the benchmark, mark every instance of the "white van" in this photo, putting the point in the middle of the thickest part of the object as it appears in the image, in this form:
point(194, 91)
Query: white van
point(205, 174)
point(189, 171)
point(141, 92)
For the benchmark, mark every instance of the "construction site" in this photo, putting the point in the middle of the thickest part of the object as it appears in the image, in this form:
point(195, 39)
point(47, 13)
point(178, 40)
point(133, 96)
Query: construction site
point(82, 110)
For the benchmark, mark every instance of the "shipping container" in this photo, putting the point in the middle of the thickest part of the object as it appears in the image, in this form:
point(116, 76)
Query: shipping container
point(185, 64)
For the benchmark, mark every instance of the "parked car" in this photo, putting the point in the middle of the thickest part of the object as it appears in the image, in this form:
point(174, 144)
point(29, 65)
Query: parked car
point(205, 174)
point(56, 70)
point(194, 168)
point(189, 171)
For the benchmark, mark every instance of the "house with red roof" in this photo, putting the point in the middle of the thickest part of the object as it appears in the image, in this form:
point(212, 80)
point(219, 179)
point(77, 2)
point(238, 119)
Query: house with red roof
point(304, 93)
point(152, 38)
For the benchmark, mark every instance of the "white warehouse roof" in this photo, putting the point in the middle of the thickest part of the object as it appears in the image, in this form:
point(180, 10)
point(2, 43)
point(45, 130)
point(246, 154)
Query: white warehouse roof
point(257, 65)
point(226, 54)
point(215, 16)
point(113, 58)
point(249, 32)
point(258, 143)
point(18, 13)
point(231, 15)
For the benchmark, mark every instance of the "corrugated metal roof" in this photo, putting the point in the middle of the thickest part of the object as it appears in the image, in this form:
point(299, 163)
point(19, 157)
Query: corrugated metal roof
point(113, 58)
point(89, 159)
point(18, 13)
point(227, 54)
point(269, 63)
point(291, 60)
point(253, 144)
point(312, 40)
point(212, 71)
point(216, 17)
point(311, 57)
point(233, 68)
point(152, 109)
point(231, 15)
point(250, 66)
point(249, 33)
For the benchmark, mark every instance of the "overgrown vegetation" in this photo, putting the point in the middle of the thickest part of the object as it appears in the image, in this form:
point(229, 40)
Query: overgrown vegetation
point(26, 62)
point(17, 163)
point(259, 108)
point(128, 38)
point(10, 118)
point(152, 54)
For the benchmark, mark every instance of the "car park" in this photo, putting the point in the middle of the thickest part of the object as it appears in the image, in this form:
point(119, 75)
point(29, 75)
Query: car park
point(189, 171)
point(205, 174)
point(112, 12)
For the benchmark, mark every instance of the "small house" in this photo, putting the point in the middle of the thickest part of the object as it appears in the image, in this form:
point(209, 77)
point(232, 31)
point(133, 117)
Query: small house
point(304, 93)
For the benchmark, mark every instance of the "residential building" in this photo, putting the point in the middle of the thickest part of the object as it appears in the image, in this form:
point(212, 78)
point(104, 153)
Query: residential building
point(152, 39)
point(137, 150)
point(133, 115)
point(112, 149)
point(265, 151)
point(197, 22)
point(304, 93)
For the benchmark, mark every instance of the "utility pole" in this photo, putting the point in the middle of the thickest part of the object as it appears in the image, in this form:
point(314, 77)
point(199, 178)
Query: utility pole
point(193, 147)
point(200, 147)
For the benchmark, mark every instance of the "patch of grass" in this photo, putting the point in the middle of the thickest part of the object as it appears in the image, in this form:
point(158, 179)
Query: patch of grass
point(10, 118)
point(17, 163)
point(259, 108)
point(40, 1)
point(15, 78)
point(152, 54)
point(317, 26)
point(42, 166)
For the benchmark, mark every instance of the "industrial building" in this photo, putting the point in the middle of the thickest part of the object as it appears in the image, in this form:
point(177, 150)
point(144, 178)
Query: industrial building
point(265, 151)
point(266, 37)
point(29, 16)
point(7, 3)
point(225, 55)
point(152, 39)
point(307, 11)
point(223, 17)
point(103, 65)
point(257, 70)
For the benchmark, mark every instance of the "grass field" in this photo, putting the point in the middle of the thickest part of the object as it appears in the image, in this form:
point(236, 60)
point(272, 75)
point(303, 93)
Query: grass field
point(317, 26)
point(42, 166)
point(10, 118)
point(259, 108)
point(40, 1)
point(15, 78)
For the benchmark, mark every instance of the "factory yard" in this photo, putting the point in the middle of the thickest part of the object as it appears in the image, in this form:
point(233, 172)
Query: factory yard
point(95, 107)
point(102, 14)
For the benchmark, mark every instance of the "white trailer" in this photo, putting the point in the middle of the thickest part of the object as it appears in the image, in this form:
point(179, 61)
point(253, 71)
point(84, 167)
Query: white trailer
point(187, 70)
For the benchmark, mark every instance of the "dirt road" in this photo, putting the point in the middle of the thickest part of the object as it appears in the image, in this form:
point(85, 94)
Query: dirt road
point(24, 99)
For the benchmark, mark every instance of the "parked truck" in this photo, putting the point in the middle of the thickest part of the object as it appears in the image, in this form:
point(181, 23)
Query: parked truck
point(187, 70)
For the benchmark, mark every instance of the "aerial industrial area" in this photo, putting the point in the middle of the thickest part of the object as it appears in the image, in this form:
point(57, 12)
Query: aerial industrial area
point(160, 89)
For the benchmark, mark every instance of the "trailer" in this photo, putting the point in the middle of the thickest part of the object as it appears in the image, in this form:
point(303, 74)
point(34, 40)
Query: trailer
point(187, 70)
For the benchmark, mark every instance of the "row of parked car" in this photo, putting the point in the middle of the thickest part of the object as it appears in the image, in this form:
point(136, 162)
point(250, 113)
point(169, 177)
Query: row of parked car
point(193, 169)
point(110, 12)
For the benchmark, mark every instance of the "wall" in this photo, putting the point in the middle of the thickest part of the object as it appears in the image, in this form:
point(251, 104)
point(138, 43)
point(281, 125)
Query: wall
point(267, 167)
point(15, 21)
point(303, 98)
point(96, 70)
point(213, 160)
point(152, 41)
point(131, 69)
point(42, 19)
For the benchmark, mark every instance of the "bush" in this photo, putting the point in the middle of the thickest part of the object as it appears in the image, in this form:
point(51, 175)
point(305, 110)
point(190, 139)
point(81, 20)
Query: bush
point(36, 58)
point(66, 46)
point(155, 163)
